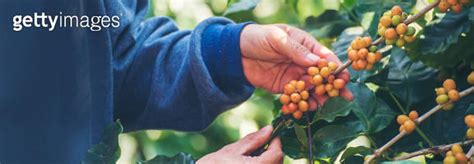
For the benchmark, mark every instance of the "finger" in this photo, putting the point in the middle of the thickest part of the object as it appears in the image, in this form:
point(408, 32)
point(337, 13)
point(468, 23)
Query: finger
point(294, 50)
point(253, 141)
point(346, 94)
point(274, 153)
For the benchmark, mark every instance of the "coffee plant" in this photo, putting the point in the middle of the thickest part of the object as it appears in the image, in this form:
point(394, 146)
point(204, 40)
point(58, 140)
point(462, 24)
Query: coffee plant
point(411, 65)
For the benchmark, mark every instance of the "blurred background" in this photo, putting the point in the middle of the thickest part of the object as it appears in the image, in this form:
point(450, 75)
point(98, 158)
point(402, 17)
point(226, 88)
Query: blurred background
point(235, 123)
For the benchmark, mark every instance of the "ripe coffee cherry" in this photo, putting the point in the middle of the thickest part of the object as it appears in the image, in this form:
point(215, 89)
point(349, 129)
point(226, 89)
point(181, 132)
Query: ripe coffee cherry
point(456, 8)
point(378, 55)
point(440, 91)
point(285, 110)
point(295, 97)
point(443, 6)
point(313, 71)
point(402, 118)
point(300, 85)
point(371, 58)
point(381, 30)
point(401, 28)
point(413, 115)
point(339, 84)
point(456, 148)
point(362, 53)
point(449, 153)
point(469, 120)
point(333, 93)
point(304, 95)
point(367, 40)
point(409, 126)
point(332, 66)
point(470, 133)
point(325, 72)
point(317, 80)
point(292, 107)
point(461, 158)
point(322, 63)
point(353, 55)
point(441, 99)
point(369, 66)
point(319, 90)
point(410, 31)
point(289, 89)
point(396, 10)
point(293, 82)
point(360, 43)
point(328, 87)
point(331, 78)
point(390, 34)
point(297, 115)
point(449, 160)
point(470, 78)
point(303, 106)
point(284, 99)
point(449, 84)
point(454, 95)
point(390, 41)
point(362, 64)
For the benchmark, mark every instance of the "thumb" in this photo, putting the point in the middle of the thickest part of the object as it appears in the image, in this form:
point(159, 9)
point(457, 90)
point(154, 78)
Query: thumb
point(253, 141)
point(298, 53)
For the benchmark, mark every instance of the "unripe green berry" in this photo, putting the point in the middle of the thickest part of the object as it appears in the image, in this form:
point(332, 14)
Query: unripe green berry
point(441, 99)
point(389, 42)
point(396, 20)
point(410, 31)
point(400, 42)
point(373, 48)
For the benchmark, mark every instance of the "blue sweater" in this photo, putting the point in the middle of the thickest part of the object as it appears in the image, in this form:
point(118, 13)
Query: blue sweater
point(60, 88)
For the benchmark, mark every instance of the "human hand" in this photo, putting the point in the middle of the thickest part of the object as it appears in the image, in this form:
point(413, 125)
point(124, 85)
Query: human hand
point(273, 55)
point(239, 151)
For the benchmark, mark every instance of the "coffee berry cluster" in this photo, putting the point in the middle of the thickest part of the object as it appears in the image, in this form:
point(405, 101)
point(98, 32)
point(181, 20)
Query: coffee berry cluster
point(469, 120)
point(455, 155)
point(324, 80)
point(363, 54)
point(393, 30)
point(295, 99)
point(452, 5)
point(447, 94)
point(407, 123)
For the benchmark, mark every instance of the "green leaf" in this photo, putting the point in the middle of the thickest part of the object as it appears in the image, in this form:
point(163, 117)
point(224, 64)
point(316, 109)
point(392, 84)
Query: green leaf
point(308, 8)
point(334, 107)
point(301, 135)
point(107, 151)
point(331, 139)
point(180, 158)
point(352, 151)
point(445, 41)
point(373, 113)
point(470, 110)
point(330, 24)
point(241, 6)
point(410, 81)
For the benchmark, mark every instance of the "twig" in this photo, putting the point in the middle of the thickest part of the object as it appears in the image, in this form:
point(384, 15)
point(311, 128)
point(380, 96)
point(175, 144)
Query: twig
point(400, 135)
point(433, 150)
point(276, 132)
point(310, 139)
point(470, 152)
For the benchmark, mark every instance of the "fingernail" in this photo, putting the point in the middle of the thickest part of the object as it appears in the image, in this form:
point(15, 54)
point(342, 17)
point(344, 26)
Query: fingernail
point(312, 57)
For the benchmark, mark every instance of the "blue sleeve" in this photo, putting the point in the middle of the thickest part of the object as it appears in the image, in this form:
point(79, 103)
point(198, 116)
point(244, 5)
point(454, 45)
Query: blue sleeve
point(165, 78)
